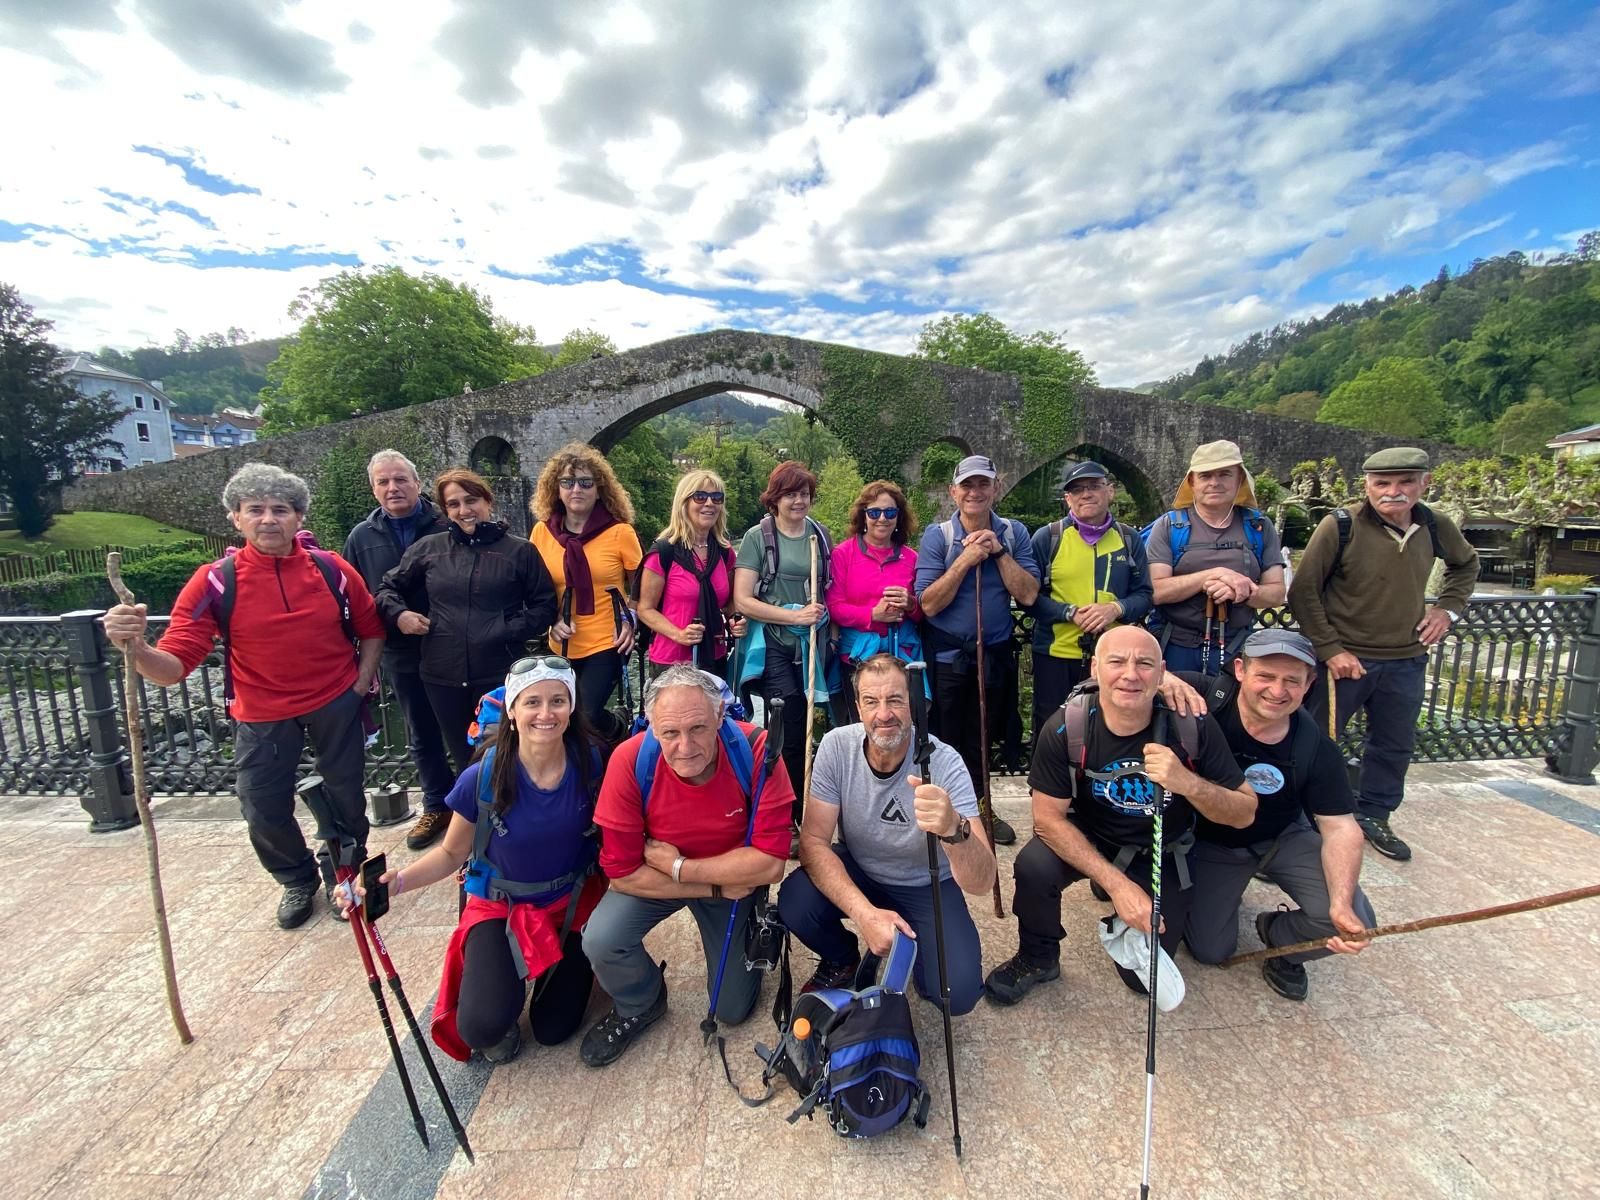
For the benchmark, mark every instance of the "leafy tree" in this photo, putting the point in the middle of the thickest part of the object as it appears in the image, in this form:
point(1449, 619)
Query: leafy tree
point(643, 467)
point(527, 356)
point(382, 340)
point(1304, 405)
point(802, 437)
point(744, 465)
point(980, 340)
point(580, 346)
point(838, 484)
point(1393, 396)
point(1525, 428)
point(50, 428)
point(1534, 493)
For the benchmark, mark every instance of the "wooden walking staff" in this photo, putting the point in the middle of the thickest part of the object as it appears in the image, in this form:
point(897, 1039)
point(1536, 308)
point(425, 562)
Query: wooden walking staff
point(141, 800)
point(1460, 918)
point(985, 801)
point(811, 676)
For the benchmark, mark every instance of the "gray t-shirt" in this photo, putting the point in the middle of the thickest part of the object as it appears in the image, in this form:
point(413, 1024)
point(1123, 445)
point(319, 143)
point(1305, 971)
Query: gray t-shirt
point(877, 820)
point(1209, 548)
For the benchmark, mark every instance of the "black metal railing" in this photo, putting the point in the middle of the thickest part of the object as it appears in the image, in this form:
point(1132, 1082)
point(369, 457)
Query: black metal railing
point(1516, 677)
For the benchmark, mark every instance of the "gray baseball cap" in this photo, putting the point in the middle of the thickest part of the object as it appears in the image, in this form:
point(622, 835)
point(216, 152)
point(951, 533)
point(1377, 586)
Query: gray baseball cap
point(1265, 642)
point(974, 464)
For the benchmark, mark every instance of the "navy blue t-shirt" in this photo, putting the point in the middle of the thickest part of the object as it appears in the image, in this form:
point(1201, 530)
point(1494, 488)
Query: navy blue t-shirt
point(540, 836)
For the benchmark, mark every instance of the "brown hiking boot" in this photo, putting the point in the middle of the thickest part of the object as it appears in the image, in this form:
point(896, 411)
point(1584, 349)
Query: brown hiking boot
point(428, 827)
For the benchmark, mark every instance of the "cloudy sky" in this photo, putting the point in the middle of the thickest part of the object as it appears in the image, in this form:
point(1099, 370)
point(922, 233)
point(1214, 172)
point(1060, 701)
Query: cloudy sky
point(1156, 179)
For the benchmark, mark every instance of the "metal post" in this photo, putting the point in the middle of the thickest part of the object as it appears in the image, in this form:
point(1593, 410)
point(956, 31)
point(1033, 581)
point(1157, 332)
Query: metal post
point(109, 801)
point(1575, 753)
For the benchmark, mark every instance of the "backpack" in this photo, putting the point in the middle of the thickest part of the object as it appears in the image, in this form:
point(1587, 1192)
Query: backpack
point(769, 556)
point(954, 535)
point(737, 744)
point(1346, 522)
point(1079, 707)
point(1221, 690)
point(1179, 528)
point(222, 591)
point(859, 1062)
point(1126, 532)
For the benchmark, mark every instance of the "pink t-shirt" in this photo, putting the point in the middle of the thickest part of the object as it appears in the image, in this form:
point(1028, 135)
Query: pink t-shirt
point(680, 602)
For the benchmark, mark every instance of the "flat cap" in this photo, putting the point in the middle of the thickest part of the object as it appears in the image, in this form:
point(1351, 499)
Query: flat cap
point(1397, 458)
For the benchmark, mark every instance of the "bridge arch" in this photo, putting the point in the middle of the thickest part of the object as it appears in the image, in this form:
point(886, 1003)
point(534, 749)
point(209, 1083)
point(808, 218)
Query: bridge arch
point(671, 394)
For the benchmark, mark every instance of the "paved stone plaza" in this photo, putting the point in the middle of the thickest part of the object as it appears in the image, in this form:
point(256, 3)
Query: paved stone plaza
point(1462, 1062)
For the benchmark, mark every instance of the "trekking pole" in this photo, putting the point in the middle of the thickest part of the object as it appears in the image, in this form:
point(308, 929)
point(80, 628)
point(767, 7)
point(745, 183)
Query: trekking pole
point(399, 991)
point(923, 753)
point(1159, 732)
point(811, 680)
point(985, 804)
point(1460, 918)
point(141, 801)
point(341, 850)
point(1222, 636)
point(1205, 637)
point(708, 1027)
point(566, 619)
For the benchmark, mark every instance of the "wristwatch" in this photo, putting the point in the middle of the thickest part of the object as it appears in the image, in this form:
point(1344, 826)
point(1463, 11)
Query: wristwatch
point(962, 833)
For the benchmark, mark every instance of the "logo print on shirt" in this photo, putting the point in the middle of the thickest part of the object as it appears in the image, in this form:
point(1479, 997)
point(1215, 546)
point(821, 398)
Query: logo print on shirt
point(738, 812)
point(892, 813)
point(1130, 794)
point(1265, 778)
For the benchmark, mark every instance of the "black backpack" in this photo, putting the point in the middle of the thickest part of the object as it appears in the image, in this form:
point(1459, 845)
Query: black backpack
point(1344, 520)
point(1221, 690)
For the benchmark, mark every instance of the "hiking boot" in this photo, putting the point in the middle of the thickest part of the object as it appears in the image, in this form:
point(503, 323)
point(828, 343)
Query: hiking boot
point(1016, 977)
point(507, 1047)
point(833, 975)
point(613, 1033)
point(1383, 839)
point(295, 907)
point(428, 827)
point(1004, 835)
point(1288, 979)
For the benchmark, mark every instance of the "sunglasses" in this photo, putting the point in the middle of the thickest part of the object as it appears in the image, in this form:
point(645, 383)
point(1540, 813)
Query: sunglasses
point(569, 482)
point(552, 662)
point(882, 514)
point(708, 497)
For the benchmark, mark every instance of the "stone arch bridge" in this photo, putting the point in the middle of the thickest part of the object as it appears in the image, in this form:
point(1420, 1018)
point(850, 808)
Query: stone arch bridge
point(887, 408)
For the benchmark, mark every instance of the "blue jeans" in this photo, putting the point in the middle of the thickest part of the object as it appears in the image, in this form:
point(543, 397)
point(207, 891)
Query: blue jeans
point(818, 923)
point(1391, 693)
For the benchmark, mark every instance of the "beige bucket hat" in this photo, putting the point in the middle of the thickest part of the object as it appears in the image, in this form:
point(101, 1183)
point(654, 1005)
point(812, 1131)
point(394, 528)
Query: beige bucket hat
point(1213, 456)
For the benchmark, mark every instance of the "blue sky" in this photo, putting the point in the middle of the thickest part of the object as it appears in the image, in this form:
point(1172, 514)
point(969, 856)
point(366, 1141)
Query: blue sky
point(1157, 181)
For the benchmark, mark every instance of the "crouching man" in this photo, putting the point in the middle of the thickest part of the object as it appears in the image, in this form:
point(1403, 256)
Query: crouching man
point(865, 788)
point(690, 842)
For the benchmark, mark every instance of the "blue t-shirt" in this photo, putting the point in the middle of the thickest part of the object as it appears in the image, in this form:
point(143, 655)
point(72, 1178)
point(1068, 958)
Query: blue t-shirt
point(540, 836)
point(958, 619)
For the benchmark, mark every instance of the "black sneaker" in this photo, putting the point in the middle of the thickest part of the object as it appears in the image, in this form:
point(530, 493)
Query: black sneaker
point(507, 1047)
point(833, 975)
point(1004, 835)
point(1016, 977)
point(1288, 979)
point(1383, 839)
point(611, 1036)
point(295, 907)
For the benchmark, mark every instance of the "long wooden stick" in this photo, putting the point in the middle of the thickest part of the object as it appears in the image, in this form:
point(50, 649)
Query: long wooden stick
point(141, 799)
point(811, 677)
point(985, 800)
point(1460, 918)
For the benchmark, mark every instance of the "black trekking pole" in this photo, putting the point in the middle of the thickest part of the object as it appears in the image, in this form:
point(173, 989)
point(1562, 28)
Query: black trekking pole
point(708, 1027)
point(566, 619)
point(923, 753)
point(393, 977)
point(1159, 731)
point(342, 850)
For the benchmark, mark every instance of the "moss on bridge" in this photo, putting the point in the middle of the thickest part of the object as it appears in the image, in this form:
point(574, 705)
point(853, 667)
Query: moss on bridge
point(885, 408)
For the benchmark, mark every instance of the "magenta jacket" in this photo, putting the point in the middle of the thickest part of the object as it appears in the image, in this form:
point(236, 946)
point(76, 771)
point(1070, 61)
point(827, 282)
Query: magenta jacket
point(859, 576)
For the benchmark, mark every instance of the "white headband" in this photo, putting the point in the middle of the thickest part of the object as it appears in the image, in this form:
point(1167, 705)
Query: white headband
point(516, 684)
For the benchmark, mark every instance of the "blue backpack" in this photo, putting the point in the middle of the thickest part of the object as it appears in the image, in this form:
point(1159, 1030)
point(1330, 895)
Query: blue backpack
point(740, 747)
point(1178, 529)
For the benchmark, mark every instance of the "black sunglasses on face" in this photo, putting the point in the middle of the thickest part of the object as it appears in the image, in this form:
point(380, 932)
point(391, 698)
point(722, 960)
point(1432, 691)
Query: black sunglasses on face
point(569, 482)
point(553, 662)
point(882, 514)
point(705, 497)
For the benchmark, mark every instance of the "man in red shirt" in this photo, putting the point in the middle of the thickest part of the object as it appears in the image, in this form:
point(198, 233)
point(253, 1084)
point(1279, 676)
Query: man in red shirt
point(686, 846)
point(294, 672)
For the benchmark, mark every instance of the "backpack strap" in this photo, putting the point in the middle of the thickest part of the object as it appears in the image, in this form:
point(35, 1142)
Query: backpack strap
point(738, 745)
point(1305, 736)
point(1345, 522)
point(1053, 547)
point(1255, 532)
point(222, 587)
point(1177, 533)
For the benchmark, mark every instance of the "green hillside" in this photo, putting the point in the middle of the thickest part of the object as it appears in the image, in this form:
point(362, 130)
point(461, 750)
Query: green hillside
point(1499, 357)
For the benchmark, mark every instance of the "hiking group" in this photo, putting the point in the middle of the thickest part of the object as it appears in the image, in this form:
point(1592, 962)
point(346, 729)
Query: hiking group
point(1180, 748)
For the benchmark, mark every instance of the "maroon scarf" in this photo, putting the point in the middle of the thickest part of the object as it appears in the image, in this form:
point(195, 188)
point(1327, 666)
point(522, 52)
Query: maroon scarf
point(575, 563)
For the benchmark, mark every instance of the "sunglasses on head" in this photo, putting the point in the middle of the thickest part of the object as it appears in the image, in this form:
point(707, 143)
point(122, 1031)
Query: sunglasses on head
point(552, 662)
point(585, 482)
point(882, 514)
point(708, 497)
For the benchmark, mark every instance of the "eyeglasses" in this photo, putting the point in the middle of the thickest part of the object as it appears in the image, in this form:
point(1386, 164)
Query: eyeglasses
point(1079, 489)
point(569, 482)
point(708, 497)
point(882, 514)
point(553, 662)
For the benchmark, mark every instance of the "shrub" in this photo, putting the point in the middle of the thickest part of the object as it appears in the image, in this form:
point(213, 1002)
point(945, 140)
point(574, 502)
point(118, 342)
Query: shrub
point(1563, 585)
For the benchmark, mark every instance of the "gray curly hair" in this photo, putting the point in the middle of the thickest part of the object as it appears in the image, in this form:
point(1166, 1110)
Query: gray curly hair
point(684, 675)
point(263, 481)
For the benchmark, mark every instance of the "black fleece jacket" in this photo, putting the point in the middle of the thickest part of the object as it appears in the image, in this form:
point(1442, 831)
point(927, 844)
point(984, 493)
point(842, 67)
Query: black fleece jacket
point(373, 551)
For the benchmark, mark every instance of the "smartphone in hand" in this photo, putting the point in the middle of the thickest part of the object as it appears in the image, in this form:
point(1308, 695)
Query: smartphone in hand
point(377, 901)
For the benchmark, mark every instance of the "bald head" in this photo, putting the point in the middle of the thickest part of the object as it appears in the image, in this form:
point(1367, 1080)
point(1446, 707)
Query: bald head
point(1127, 666)
point(1129, 638)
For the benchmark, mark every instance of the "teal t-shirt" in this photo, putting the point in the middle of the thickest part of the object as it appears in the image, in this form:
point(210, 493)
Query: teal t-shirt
point(793, 582)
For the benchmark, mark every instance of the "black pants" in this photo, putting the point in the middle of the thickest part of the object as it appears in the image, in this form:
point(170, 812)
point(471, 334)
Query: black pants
point(598, 676)
point(955, 704)
point(455, 706)
point(1053, 678)
point(1042, 877)
point(781, 680)
point(492, 994)
point(423, 739)
point(267, 755)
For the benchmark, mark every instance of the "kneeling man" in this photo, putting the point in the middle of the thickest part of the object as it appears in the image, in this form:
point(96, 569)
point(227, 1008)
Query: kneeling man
point(1095, 823)
point(1298, 773)
point(865, 788)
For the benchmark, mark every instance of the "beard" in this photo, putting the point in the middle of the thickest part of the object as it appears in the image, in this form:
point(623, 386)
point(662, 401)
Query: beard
point(888, 740)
